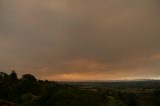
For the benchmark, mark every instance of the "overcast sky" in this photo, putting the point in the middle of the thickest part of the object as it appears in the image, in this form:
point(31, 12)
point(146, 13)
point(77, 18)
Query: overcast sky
point(81, 39)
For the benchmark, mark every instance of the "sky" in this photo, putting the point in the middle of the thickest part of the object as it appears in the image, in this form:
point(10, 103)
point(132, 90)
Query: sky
point(75, 40)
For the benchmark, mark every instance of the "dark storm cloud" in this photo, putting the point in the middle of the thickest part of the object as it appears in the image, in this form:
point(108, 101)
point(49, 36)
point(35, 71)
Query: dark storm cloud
point(62, 39)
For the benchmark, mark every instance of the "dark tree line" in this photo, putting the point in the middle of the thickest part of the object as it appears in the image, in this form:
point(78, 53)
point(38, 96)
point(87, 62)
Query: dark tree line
point(28, 91)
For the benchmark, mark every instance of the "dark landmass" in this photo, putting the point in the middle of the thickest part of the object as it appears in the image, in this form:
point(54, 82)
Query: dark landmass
point(123, 84)
point(28, 91)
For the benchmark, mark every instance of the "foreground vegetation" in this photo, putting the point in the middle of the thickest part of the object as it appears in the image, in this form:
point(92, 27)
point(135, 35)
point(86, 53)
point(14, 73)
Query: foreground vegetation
point(28, 91)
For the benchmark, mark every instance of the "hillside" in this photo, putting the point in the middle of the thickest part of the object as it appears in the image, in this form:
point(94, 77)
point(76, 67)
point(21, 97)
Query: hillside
point(28, 91)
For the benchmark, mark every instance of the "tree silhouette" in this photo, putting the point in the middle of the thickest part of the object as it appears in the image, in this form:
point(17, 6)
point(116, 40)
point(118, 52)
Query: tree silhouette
point(29, 77)
point(13, 76)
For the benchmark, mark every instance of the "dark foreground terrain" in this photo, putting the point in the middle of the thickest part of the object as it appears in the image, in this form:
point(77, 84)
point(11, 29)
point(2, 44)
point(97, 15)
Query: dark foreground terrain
point(28, 91)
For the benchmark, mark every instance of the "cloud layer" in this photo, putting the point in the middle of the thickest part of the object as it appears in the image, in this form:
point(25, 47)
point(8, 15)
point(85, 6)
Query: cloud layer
point(81, 40)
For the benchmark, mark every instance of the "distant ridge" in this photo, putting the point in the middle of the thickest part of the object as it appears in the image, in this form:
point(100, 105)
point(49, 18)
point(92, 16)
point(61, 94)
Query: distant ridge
point(132, 80)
